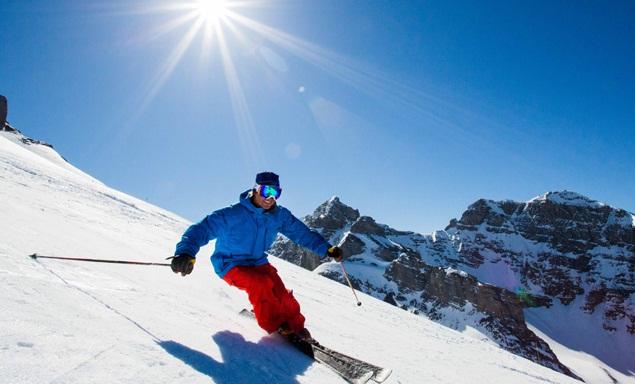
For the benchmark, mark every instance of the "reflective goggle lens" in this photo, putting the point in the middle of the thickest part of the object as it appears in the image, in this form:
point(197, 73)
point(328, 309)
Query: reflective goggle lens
point(267, 191)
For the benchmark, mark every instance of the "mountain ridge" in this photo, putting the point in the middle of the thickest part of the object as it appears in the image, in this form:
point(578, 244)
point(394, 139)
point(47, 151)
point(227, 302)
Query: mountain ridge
point(530, 249)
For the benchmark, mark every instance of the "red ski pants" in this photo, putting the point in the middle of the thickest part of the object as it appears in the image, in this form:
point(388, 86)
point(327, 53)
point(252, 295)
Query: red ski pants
point(273, 304)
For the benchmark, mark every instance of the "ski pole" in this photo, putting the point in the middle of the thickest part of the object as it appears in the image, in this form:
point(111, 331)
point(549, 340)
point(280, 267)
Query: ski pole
point(349, 284)
point(36, 256)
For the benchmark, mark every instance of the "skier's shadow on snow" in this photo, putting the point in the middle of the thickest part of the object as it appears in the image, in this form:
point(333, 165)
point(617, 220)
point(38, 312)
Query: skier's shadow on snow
point(268, 361)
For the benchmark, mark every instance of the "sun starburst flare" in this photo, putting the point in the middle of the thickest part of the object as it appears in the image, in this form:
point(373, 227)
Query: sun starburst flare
point(214, 20)
point(211, 10)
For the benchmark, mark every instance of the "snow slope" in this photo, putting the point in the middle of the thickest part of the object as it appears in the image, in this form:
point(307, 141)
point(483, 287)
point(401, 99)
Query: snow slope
point(74, 322)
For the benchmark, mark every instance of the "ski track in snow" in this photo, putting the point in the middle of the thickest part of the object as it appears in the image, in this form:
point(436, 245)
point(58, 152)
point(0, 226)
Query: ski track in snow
point(73, 322)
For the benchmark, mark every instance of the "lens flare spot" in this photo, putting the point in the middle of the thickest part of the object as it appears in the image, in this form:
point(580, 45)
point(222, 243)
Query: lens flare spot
point(293, 151)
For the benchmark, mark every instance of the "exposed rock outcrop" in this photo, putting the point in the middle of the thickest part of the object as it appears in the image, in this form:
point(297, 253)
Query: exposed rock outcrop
point(562, 244)
point(416, 273)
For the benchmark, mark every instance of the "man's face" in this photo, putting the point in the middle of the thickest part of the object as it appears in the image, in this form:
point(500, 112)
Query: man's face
point(262, 202)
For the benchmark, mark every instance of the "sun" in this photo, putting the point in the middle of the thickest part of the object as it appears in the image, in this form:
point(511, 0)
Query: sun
point(211, 10)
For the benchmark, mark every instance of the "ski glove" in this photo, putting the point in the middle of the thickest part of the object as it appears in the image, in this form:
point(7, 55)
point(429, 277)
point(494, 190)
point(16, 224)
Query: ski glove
point(182, 263)
point(335, 253)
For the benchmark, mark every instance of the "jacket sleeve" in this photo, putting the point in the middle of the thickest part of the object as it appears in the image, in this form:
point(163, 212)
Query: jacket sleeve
point(199, 234)
point(300, 234)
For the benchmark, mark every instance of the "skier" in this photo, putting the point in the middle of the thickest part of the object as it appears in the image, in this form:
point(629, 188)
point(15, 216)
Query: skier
point(243, 233)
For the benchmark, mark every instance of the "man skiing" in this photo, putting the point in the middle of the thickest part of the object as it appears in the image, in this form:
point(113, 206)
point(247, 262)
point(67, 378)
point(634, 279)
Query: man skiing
point(243, 233)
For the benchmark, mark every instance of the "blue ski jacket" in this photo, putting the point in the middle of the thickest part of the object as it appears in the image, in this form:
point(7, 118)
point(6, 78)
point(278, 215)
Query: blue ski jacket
point(244, 233)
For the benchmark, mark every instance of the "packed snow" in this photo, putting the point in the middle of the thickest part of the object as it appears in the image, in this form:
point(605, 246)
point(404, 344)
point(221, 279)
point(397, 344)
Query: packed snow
point(79, 322)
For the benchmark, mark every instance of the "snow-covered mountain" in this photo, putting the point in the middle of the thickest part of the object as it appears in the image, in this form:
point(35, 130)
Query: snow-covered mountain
point(554, 273)
point(74, 322)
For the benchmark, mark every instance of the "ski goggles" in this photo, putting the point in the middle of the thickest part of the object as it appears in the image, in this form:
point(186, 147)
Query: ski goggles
point(267, 191)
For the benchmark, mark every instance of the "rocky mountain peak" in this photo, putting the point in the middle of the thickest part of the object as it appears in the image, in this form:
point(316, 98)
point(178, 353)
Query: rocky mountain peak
point(572, 215)
point(409, 270)
point(331, 216)
point(561, 244)
point(488, 212)
point(567, 198)
point(555, 251)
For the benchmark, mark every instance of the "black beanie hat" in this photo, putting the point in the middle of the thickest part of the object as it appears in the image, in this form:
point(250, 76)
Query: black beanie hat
point(267, 178)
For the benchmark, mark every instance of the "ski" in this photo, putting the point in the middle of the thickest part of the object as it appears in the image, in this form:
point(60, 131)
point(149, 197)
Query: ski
point(351, 369)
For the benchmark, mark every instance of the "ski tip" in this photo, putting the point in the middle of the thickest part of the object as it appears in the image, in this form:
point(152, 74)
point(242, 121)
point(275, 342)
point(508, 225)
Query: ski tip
point(364, 378)
point(33, 256)
point(381, 375)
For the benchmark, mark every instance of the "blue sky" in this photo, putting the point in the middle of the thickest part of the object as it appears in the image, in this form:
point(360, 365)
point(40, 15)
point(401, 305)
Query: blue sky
point(409, 111)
